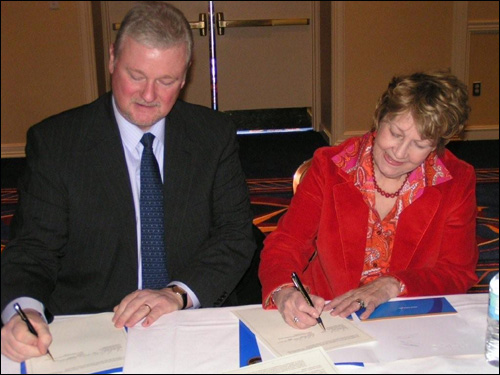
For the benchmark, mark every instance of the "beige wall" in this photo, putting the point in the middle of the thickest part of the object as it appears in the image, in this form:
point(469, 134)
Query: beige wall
point(387, 38)
point(483, 10)
point(384, 38)
point(48, 63)
point(483, 64)
point(484, 68)
point(45, 68)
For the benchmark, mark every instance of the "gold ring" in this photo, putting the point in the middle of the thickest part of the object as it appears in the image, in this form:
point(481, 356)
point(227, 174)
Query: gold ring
point(149, 307)
point(361, 303)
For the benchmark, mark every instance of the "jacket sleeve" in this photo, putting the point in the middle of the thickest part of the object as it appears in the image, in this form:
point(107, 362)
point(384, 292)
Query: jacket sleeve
point(292, 244)
point(30, 262)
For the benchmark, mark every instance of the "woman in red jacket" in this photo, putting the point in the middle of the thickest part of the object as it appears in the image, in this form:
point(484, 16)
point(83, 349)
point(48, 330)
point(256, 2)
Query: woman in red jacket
point(388, 214)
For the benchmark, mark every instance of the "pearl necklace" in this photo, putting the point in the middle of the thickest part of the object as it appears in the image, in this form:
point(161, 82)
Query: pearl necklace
point(382, 192)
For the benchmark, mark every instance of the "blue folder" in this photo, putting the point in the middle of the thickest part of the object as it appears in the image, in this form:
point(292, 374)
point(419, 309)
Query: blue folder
point(411, 307)
point(249, 350)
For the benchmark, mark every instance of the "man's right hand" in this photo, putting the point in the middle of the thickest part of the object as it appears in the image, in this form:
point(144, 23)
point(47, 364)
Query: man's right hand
point(19, 344)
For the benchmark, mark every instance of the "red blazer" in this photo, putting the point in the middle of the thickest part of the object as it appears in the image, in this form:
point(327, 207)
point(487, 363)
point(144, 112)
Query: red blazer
point(435, 249)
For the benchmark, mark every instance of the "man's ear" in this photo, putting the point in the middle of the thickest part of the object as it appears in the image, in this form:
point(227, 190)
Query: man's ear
point(185, 75)
point(111, 65)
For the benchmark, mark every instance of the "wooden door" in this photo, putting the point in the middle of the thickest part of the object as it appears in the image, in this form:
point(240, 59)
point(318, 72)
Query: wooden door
point(258, 67)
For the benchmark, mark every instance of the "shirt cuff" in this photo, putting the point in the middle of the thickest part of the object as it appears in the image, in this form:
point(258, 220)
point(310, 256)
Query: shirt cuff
point(269, 302)
point(26, 303)
point(190, 293)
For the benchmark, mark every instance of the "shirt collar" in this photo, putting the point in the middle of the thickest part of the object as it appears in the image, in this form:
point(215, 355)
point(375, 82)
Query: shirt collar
point(131, 134)
point(432, 171)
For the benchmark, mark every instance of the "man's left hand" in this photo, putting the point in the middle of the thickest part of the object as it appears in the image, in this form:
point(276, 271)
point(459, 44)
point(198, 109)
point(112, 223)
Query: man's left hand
point(145, 304)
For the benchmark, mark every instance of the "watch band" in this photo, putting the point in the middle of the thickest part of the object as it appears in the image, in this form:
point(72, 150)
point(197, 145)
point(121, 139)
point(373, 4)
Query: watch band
point(178, 290)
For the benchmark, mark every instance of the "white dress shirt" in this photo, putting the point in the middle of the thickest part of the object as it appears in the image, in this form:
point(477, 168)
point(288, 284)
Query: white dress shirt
point(131, 136)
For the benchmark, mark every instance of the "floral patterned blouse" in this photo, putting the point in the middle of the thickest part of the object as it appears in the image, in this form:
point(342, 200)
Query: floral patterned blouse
point(356, 161)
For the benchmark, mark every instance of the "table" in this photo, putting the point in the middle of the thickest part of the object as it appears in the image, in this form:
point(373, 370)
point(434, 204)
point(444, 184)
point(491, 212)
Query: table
point(207, 341)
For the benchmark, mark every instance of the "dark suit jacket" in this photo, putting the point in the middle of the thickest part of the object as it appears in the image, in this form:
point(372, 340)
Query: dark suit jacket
point(74, 244)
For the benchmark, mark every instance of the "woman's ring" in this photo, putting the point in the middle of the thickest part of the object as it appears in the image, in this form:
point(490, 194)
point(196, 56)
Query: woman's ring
point(295, 319)
point(149, 307)
point(361, 303)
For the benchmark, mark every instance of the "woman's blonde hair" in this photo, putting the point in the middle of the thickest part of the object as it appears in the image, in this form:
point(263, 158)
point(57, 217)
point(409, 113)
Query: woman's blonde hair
point(437, 101)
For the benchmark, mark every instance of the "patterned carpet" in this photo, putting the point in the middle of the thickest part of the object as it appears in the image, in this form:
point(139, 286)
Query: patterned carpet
point(270, 198)
point(487, 227)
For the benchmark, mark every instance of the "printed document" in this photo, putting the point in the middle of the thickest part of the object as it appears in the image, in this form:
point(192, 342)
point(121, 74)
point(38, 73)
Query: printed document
point(312, 361)
point(82, 345)
point(281, 339)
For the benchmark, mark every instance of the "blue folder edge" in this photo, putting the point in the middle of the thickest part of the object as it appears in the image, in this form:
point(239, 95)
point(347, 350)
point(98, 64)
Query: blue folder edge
point(110, 371)
point(249, 350)
point(412, 307)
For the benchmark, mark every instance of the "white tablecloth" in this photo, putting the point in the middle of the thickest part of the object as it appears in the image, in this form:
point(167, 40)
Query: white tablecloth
point(207, 341)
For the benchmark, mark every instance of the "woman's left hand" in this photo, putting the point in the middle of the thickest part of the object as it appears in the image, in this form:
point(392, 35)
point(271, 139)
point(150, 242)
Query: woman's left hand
point(369, 296)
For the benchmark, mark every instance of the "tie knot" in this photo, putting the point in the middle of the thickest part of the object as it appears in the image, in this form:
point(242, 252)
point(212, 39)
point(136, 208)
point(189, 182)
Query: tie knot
point(147, 140)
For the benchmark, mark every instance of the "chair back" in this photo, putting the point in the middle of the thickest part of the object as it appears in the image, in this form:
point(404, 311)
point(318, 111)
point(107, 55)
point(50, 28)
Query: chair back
point(300, 173)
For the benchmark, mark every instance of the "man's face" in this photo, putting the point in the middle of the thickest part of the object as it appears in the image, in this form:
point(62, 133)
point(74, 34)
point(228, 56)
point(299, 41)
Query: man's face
point(146, 81)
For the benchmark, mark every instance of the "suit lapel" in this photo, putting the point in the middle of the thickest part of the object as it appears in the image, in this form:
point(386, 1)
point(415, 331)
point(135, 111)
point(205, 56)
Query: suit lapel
point(177, 173)
point(105, 152)
point(414, 223)
point(352, 228)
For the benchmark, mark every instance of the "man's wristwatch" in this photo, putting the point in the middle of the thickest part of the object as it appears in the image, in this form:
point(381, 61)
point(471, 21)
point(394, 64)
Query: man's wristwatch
point(178, 290)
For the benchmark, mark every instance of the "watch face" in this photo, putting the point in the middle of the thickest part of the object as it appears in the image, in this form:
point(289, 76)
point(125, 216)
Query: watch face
point(178, 289)
point(182, 293)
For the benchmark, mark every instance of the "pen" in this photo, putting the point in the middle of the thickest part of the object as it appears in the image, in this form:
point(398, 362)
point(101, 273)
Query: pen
point(24, 317)
point(302, 290)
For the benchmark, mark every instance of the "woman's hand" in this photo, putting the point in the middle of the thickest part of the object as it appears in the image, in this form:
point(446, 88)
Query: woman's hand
point(295, 310)
point(369, 296)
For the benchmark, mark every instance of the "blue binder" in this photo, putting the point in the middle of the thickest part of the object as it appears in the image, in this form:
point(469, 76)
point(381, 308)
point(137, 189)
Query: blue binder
point(249, 350)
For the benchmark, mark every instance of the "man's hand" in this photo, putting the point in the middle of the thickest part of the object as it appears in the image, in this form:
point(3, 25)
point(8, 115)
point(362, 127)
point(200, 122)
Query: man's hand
point(19, 344)
point(148, 305)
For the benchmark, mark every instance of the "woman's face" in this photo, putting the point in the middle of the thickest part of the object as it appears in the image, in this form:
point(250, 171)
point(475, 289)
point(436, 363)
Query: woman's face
point(398, 147)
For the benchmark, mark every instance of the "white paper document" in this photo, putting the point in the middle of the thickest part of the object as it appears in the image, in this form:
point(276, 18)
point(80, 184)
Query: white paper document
point(281, 339)
point(312, 361)
point(82, 345)
point(189, 341)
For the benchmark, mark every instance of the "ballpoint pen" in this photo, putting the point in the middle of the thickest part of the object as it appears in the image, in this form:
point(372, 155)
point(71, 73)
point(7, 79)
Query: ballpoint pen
point(301, 289)
point(24, 317)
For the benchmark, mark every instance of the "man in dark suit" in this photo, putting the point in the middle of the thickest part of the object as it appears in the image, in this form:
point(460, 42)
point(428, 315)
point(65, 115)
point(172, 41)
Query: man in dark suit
point(76, 245)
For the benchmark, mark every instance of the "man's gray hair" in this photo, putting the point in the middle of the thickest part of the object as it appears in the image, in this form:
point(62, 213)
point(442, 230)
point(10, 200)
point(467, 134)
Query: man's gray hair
point(156, 24)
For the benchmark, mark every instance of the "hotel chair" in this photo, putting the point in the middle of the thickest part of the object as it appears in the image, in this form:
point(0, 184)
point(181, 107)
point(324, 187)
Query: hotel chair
point(300, 173)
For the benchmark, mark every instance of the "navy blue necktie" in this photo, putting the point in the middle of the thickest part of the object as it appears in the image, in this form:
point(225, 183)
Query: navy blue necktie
point(154, 264)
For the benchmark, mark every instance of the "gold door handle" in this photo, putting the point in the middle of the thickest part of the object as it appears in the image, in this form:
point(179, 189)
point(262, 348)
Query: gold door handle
point(222, 24)
point(201, 24)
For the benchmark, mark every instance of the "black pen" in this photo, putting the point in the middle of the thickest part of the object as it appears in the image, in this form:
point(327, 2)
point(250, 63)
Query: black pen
point(24, 317)
point(302, 290)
